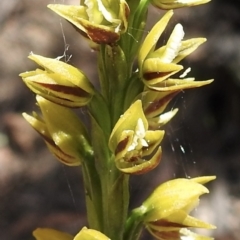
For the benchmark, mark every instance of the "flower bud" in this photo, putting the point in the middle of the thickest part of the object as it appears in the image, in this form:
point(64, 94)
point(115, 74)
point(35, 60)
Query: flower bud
point(165, 211)
point(62, 131)
point(59, 82)
point(100, 21)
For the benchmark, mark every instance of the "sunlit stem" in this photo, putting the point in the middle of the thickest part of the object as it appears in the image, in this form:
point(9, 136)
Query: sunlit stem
point(134, 225)
point(115, 200)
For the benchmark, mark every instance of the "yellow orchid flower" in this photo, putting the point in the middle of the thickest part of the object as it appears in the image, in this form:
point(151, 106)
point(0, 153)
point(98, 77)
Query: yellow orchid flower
point(100, 21)
point(62, 131)
point(136, 148)
point(59, 82)
point(166, 209)
point(157, 65)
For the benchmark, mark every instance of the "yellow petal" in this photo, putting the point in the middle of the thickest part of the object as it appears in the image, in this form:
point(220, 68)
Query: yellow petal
point(66, 129)
point(40, 126)
point(141, 166)
point(98, 33)
point(152, 38)
point(187, 47)
point(90, 234)
point(178, 84)
point(203, 180)
point(172, 4)
point(70, 73)
point(51, 234)
point(155, 71)
point(127, 121)
point(172, 196)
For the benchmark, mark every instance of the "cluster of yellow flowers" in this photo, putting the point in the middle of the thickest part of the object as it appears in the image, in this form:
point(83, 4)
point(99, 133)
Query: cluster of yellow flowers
point(126, 115)
point(164, 213)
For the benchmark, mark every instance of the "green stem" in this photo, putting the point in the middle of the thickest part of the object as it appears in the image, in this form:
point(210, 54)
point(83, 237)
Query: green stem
point(92, 196)
point(134, 225)
point(131, 40)
point(115, 200)
point(109, 188)
point(99, 110)
point(102, 73)
point(109, 199)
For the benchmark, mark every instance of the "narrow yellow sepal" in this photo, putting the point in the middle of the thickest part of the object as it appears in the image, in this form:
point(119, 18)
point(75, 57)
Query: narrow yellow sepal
point(90, 234)
point(179, 84)
point(165, 211)
point(173, 4)
point(152, 38)
point(51, 234)
point(59, 82)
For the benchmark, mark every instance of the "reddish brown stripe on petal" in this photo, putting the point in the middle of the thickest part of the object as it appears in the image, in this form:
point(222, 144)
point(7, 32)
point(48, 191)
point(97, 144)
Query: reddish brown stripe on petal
point(63, 157)
point(76, 91)
point(166, 223)
point(121, 145)
point(52, 143)
point(101, 36)
point(127, 10)
point(152, 75)
point(161, 102)
point(165, 235)
point(58, 153)
point(98, 35)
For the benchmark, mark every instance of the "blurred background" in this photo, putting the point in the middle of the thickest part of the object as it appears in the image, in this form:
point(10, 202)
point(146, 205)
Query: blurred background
point(203, 139)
